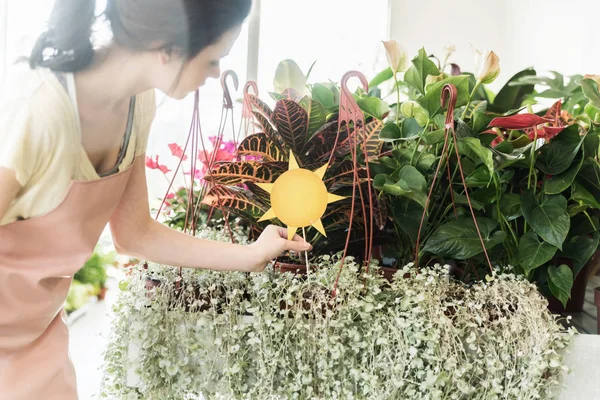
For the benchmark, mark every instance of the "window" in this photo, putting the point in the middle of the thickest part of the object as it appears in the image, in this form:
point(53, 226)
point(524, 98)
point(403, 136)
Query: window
point(338, 34)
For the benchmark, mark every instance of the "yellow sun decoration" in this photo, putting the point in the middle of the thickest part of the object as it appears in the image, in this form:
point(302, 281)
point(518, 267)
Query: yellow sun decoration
point(299, 198)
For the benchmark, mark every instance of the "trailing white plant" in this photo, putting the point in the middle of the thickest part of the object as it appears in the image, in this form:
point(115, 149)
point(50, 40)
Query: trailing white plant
point(279, 336)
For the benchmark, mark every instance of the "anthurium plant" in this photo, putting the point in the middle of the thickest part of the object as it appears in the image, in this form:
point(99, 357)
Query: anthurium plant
point(531, 180)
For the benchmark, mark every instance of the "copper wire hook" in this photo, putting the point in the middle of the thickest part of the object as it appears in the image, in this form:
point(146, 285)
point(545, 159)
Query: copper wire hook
point(227, 101)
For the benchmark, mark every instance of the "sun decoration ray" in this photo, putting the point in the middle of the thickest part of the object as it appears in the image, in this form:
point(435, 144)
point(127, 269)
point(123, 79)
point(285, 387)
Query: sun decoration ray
point(299, 198)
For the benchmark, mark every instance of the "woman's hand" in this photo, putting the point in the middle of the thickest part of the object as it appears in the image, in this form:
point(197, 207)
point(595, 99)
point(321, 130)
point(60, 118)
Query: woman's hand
point(271, 243)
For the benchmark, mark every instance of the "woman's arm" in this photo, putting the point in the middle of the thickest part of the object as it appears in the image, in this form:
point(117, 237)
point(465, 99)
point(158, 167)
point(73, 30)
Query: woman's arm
point(10, 187)
point(135, 233)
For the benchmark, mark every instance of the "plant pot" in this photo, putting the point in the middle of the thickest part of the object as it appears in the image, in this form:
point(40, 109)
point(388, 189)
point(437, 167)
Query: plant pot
point(575, 303)
point(388, 273)
point(298, 269)
point(102, 294)
point(377, 254)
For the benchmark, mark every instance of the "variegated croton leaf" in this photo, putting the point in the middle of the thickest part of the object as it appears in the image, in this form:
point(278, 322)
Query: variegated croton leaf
point(260, 145)
point(317, 117)
point(260, 106)
point(291, 122)
point(268, 129)
point(342, 175)
point(338, 217)
point(236, 173)
point(238, 201)
point(371, 140)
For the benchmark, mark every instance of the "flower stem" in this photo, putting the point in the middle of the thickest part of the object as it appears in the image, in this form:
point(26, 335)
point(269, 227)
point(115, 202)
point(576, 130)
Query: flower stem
point(532, 162)
point(590, 219)
point(464, 114)
point(398, 98)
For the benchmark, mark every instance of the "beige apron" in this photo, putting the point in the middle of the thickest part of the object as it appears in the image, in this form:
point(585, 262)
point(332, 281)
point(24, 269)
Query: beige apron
point(38, 258)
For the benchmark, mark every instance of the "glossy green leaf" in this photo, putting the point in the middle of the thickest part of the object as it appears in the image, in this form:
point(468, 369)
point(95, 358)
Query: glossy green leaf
point(549, 219)
point(410, 184)
point(583, 196)
point(590, 90)
point(511, 96)
point(374, 107)
point(510, 205)
point(580, 249)
point(561, 182)
point(422, 67)
point(382, 77)
point(479, 178)
point(459, 239)
point(558, 155)
point(323, 95)
point(472, 148)
point(432, 99)
point(533, 252)
point(560, 280)
point(434, 137)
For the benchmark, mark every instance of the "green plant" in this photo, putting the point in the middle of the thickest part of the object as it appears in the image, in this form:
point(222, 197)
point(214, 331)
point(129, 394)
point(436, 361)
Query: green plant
point(94, 270)
point(175, 210)
point(532, 180)
point(79, 295)
point(279, 336)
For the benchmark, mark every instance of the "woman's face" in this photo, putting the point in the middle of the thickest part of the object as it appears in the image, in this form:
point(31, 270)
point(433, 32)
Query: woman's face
point(189, 75)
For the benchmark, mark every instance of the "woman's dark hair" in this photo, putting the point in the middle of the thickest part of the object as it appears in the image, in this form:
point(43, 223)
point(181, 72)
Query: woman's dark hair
point(187, 26)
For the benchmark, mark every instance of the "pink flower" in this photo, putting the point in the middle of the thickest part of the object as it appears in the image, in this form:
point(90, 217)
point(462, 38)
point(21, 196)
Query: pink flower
point(177, 151)
point(223, 151)
point(152, 163)
point(170, 196)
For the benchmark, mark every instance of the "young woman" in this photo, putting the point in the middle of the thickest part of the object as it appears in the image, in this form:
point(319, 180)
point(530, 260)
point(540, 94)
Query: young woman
point(73, 133)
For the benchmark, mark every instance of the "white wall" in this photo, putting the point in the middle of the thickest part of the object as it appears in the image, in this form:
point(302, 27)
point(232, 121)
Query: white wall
point(546, 34)
point(434, 24)
point(559, 35)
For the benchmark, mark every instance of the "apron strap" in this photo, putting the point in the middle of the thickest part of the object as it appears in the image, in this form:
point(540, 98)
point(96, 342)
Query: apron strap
point(128, 130)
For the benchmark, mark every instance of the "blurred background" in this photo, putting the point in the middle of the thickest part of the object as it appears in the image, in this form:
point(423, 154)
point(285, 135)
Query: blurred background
point(339, 35)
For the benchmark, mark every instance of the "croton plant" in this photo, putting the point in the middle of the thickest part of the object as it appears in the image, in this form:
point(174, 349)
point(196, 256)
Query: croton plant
point(308, 127)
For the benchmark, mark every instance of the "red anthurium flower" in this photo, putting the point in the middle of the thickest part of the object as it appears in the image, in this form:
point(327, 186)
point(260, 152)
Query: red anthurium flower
point(519, 121)
point(177, 151)
point(152, 163)
point(543, 132)
point(553, 128)
point(534, 126)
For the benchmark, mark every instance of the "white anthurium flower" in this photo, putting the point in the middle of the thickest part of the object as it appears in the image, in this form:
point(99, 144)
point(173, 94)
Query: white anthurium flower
point(397, 56)
point(487, 66)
